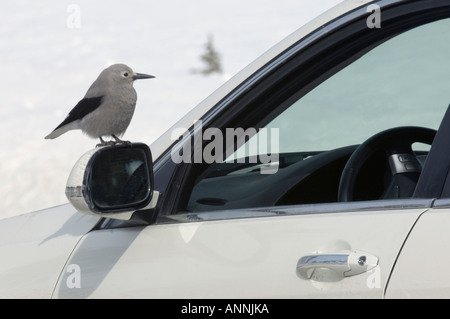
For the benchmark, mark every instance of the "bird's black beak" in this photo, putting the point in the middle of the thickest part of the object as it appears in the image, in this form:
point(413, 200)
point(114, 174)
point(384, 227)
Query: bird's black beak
point(139, 76)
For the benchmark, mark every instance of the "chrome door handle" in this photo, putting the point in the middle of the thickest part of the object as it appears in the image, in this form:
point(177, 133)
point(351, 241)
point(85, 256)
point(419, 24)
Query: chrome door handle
point(345, 264)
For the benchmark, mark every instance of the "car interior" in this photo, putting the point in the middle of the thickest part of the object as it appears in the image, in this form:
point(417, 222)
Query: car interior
point(362, 134)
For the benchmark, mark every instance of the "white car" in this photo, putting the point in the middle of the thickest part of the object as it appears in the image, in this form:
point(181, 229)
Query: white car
point(321, 170)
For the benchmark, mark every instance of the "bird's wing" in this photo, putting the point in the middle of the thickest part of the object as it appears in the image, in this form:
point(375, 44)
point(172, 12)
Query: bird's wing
point(84, 107)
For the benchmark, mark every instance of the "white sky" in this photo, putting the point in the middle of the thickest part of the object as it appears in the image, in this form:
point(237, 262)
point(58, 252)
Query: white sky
point(52, 51)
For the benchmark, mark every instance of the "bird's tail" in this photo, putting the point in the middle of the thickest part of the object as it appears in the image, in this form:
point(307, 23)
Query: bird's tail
point(63, 129)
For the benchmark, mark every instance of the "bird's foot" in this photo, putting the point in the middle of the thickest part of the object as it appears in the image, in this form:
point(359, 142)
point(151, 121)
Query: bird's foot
point(106, 143)
point(119, 141)
point(112, 143)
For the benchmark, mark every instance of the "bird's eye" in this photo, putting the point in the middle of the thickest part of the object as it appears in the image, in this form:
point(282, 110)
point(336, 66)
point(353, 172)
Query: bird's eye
point(125, 74)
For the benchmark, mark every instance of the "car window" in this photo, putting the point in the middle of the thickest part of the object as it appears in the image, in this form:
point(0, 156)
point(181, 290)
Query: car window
point(402, 82)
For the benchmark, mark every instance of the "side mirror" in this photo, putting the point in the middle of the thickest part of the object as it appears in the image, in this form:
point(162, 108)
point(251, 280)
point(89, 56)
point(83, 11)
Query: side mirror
point(113, 181)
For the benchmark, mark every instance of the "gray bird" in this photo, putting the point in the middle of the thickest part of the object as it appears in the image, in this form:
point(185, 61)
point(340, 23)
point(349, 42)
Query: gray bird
point(107, 107)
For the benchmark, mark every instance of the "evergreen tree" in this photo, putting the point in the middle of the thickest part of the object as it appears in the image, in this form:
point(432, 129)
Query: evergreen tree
point(211, 59)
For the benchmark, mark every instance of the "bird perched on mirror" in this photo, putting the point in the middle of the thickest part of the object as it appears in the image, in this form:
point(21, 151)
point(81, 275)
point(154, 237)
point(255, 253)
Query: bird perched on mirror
point(107, 107)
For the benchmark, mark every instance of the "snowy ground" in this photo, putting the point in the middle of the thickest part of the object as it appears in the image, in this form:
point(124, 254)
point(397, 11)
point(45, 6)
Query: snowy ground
point(52, 51)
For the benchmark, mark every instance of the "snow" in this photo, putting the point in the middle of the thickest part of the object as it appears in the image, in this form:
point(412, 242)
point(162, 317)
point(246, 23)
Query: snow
point(52, 51)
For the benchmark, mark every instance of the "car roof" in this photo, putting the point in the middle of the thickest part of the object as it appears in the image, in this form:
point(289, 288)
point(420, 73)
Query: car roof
point(162, 143)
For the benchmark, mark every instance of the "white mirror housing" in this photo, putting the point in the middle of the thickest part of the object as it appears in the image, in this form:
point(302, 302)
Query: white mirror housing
point(113, 181)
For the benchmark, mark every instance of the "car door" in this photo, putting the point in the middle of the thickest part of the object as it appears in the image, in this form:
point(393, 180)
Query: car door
point(420, 270)
point(258, 216)
point(243, 257)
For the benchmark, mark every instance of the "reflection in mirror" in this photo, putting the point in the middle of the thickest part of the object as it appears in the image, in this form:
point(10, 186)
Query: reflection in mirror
point(120, 178)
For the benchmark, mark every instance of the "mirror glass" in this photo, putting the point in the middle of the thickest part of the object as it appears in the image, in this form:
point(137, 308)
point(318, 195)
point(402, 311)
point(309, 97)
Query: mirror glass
point(120, 178)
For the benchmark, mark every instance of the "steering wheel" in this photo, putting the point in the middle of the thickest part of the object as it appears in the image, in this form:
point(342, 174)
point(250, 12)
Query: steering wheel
point(404, 167)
